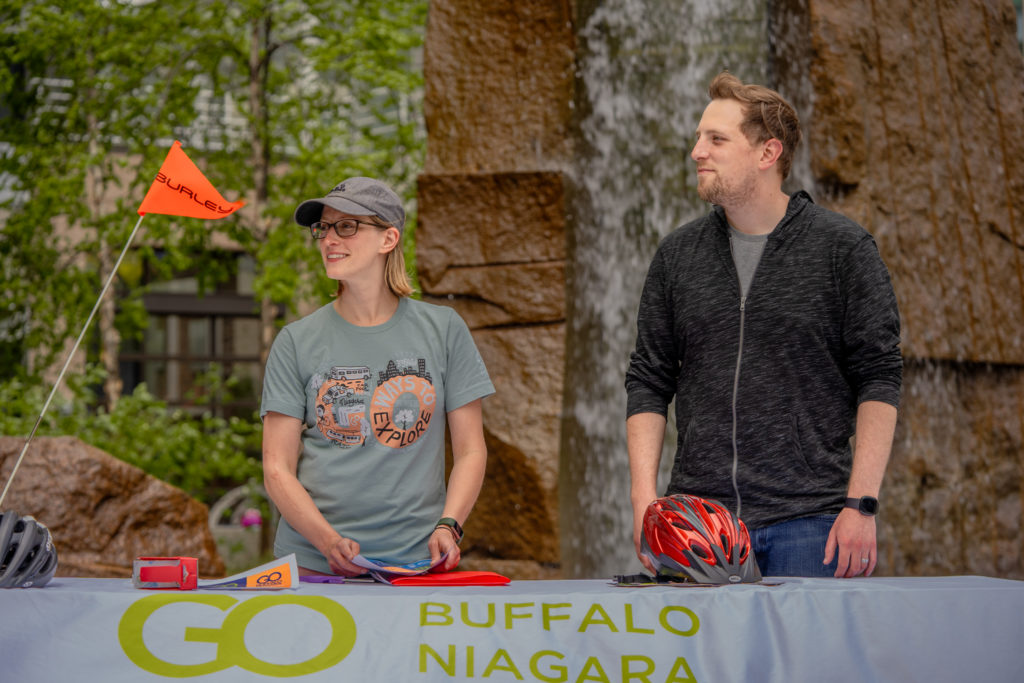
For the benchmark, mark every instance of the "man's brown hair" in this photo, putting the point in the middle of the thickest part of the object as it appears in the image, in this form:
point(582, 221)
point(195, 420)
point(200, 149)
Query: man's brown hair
point(766, 115)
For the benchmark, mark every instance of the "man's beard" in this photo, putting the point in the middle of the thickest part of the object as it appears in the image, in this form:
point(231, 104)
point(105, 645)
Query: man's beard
point(722, 193)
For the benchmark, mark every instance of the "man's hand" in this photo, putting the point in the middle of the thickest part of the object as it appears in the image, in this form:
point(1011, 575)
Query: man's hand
point(853, 534)
point(853, 537)
point(645, 433)
point(639, 508)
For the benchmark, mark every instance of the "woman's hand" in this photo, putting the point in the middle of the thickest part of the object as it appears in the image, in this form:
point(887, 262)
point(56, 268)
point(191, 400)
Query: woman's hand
point(443, 541)
point(339, 554)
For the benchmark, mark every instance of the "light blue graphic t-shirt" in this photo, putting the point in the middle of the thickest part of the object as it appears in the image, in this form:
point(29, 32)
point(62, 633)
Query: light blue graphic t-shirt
point(373, 400)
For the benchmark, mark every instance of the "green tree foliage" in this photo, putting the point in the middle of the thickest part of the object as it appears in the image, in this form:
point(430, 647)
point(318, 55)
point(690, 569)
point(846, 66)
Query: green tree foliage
point(202, 455)
point(88, 89)
point(275, 100)
point(323, 91)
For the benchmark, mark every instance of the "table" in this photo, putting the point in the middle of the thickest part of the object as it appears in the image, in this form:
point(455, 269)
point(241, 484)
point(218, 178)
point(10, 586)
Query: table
point(879, 629)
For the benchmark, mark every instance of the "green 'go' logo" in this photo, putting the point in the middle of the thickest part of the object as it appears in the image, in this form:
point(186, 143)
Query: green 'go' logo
point(230, 637)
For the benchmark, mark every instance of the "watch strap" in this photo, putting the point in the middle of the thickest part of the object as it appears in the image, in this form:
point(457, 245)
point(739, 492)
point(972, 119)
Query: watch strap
point(452, 524)
point(865, 505)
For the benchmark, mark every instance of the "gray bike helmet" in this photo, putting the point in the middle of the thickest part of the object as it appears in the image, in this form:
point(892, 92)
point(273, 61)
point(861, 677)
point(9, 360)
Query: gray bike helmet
point(27, 554)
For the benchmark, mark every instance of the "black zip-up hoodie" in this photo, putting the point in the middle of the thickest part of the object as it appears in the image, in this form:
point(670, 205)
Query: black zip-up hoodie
point(817, 334)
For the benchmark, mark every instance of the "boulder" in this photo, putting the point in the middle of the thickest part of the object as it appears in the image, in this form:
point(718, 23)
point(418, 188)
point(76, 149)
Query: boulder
point(103, 512)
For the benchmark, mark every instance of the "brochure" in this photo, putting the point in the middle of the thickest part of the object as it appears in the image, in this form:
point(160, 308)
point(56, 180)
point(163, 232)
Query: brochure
point(384, 571)
point(274, 575)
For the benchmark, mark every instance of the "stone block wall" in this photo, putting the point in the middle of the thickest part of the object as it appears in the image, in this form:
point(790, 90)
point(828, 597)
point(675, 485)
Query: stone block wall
point(914, 126)
point(491, 244)
point(914, 122)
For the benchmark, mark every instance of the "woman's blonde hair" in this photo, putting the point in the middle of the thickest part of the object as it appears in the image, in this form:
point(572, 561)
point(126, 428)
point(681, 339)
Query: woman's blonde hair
point(396, 277)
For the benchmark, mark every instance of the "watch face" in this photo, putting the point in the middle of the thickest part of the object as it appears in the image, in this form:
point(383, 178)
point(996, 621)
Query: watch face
point(869, 505)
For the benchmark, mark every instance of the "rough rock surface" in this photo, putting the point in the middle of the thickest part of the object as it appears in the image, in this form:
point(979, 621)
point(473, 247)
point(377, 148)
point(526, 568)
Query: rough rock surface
point(497, 81)
point(103, 512)
point(953, 493)
point(914, 120)
point(914, 126)
point(491, 244)
point(916, 129)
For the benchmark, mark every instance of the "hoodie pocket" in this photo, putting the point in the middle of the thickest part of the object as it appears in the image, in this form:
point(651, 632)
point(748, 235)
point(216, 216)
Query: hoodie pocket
point(704, 459)
point(772, 451)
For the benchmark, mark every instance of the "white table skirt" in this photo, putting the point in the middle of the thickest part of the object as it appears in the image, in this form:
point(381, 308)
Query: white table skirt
point(880, 629)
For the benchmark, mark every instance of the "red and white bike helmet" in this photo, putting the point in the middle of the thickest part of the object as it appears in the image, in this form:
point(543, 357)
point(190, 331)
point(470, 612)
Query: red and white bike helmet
point(697, 540)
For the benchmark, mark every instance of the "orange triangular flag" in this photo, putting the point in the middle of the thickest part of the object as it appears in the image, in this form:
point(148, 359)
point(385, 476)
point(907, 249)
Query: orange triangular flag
point(181, 189)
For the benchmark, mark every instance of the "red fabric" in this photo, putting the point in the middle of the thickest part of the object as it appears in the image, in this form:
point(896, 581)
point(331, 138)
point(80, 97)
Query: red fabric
point(181, 189)
point(465, 578)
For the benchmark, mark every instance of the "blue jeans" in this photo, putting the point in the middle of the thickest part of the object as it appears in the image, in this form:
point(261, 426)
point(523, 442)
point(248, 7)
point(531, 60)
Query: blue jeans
point(794, 548)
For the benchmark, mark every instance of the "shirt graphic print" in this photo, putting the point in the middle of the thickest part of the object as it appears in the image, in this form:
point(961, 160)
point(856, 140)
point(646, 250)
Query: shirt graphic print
point(395, 407)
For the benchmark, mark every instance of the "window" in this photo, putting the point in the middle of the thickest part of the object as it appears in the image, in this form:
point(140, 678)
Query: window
point(199, 352)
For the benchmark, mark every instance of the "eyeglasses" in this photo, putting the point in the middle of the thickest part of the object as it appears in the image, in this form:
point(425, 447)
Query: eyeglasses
point(344, 228)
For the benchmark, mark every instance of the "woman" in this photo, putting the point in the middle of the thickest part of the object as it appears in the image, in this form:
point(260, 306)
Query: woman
point(355, 398)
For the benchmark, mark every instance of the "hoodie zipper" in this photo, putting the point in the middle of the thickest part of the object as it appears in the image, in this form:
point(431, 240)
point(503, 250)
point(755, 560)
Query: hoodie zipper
point(739, 356)
point(735, 392)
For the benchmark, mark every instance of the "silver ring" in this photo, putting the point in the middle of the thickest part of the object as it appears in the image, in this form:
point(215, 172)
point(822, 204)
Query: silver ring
point(864, 560)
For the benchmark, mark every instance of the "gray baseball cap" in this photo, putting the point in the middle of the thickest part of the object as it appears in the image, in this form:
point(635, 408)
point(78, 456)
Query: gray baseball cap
point(359, 197)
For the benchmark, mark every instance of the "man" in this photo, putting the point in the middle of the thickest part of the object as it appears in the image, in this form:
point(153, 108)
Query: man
point(773, 324)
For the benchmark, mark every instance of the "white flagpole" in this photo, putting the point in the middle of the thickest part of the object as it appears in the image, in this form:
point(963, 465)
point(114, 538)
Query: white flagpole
point(99, 299)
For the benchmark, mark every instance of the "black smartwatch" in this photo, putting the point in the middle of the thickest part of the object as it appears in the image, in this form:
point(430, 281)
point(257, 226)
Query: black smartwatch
point(865, 505)
point(452, 524)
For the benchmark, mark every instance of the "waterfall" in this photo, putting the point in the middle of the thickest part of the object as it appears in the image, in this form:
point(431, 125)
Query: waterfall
point(643, 68)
